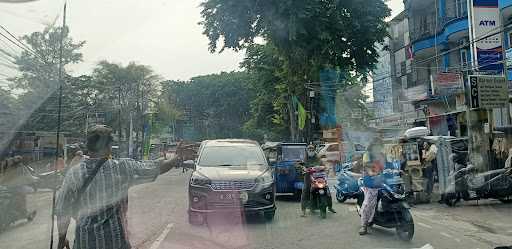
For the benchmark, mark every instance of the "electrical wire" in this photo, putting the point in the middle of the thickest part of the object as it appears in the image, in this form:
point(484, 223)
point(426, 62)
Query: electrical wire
point(18, 40)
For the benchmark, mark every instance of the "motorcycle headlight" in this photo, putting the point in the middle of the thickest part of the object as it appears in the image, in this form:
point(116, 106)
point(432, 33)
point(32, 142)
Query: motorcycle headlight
point(398, 196)
point(199, 180)
point(265, 178)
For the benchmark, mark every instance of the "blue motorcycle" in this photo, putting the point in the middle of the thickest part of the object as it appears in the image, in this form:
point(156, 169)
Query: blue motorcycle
point(347, 186)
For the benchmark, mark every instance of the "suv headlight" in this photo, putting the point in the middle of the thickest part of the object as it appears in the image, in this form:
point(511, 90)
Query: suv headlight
point(265, 178)
point(199, 180)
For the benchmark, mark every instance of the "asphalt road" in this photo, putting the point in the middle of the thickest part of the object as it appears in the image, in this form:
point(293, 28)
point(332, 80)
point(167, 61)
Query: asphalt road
point(158, 220)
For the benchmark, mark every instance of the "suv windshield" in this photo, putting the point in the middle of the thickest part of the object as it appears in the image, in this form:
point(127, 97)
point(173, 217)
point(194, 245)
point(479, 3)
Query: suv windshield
point(226, 156)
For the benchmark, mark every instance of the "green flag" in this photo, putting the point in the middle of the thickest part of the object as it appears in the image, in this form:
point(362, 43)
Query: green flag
point(301, 113)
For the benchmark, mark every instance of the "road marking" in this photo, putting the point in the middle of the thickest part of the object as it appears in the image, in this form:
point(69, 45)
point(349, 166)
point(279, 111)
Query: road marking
point(425, 225)
point(446, 235)
point(162, 236)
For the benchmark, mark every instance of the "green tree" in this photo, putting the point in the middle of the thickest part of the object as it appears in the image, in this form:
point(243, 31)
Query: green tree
point(122, 90)
point(218, 104)
point(308, 36)
point(37, 81)
point(268, 107)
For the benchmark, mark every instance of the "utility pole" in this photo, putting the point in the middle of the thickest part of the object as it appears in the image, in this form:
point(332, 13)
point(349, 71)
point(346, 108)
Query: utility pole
point(119, 118)
point(143, 122)
point(130, 138)
point(59, 120)
point(86, 123)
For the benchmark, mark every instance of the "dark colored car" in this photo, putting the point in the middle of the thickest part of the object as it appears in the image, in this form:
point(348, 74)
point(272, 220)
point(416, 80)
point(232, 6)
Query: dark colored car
point(231, 175)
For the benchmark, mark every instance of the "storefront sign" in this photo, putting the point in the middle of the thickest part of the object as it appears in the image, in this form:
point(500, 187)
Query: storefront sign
point(487, 46)
point(446, 83)
point(488, 91)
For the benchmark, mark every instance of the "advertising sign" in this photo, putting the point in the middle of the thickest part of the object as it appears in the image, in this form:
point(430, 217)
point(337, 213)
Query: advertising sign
point(446, 83)
point(485, 32)
point(488, 91)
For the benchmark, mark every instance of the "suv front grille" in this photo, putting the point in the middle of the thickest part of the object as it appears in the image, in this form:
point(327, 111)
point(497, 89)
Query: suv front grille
point(232, 185)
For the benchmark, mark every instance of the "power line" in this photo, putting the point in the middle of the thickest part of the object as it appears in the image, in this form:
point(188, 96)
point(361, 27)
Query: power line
point(16, 38)
point(25, 49)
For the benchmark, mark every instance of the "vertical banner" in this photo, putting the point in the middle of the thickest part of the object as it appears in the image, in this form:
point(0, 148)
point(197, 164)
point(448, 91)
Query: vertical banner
point(486, 35)
point(329, 82)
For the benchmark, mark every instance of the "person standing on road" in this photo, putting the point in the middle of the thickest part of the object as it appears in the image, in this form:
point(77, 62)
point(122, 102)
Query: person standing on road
point(429, 155)
point(95, 191)
point(373, 162)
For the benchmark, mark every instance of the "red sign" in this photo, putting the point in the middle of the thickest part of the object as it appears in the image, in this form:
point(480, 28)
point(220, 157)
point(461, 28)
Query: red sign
point(445, 83)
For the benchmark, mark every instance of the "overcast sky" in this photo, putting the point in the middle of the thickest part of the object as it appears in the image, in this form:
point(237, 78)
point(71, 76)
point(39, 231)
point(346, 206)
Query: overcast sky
point(161, 33)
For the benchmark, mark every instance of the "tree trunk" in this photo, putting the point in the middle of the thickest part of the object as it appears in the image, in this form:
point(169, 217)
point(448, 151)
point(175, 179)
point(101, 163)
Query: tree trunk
point(293, 120)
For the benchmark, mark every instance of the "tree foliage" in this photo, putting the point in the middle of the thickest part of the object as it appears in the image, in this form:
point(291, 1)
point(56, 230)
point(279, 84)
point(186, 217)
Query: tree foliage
point(322, 32)
point(37, 80)
point(303, 37)
point(268, 107)
point(38, 65)
point(216, 105)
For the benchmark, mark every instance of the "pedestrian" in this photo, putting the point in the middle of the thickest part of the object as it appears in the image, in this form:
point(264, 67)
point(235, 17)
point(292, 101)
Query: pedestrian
point(373, 162)
point(95, 192)
point(429, 155)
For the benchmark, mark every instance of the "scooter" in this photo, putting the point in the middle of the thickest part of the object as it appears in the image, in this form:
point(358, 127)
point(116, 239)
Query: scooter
point(347, 186)
point(392, 209)
point(469, 185)
point(319, 190)
point(11, 209)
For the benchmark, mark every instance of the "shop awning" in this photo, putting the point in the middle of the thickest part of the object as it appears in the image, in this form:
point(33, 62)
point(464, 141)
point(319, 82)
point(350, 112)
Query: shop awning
point(446, 113)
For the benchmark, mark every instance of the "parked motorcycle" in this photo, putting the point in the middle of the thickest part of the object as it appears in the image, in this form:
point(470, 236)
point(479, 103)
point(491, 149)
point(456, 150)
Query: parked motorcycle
point(319, 190)
point(392, 209)
point(470, 185)
point(347, 186)
point(11, 208)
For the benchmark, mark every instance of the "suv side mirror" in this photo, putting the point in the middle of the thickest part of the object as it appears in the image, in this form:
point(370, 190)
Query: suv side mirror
point(190, 164)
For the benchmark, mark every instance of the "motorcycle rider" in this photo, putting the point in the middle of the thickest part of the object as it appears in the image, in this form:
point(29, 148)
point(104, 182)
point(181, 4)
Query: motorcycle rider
point(373, 165)
point(312, 161)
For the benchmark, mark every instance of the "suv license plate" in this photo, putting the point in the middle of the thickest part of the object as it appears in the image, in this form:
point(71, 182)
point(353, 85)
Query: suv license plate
point(243, 196)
